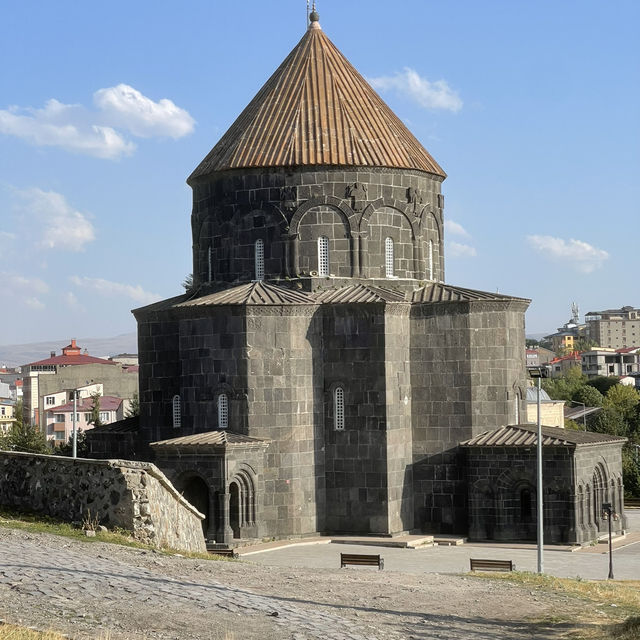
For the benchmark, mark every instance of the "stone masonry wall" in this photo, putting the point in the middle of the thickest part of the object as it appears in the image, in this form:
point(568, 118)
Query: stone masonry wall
point(132, 495)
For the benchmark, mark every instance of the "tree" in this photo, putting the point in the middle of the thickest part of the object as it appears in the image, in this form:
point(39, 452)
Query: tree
point(530, 343)
point(564, 387)
point(583, 344)
point(624, 399)
point(23, 436)
point(603, 383)
point(631, 472)
point(608, 420)
point(134, 407)
point(588, 396)
point(82, 446)
point(94, 416)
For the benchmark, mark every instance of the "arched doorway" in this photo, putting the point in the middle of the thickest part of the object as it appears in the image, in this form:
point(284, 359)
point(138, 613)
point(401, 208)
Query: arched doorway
point(234, 509)
point(197, 493)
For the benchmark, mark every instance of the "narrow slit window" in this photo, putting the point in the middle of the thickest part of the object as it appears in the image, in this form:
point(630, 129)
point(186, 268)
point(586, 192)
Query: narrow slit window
point(259, 259)
point(177, 412)
point(223, 411)
point(388, 257)
point(430, 260)
point(323, 256)
point(210, 264)
point(338, 409)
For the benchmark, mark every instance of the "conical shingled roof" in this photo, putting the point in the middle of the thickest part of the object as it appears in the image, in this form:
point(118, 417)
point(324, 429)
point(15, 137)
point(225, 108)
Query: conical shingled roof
point(440, 292)
point(316, 109)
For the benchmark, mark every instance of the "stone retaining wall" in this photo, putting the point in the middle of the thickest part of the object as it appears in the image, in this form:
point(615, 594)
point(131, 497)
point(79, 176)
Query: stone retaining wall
point(135, 496)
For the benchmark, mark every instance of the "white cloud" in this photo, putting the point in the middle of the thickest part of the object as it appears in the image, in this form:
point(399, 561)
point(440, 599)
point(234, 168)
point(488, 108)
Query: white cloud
point(116, 289)
point(455, 229)
point(579, 255)
point(458, 250)
point(127, 108)
point(74, 127)
point(34, 303)
point(430, 95)
point(14, 283)
point(57, 224)
point(72, 301)
point(64, 126)
point(5, 236)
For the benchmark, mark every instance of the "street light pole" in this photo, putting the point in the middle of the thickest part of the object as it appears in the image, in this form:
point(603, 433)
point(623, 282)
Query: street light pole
point(608, 512)
point(74, 420)
point(539, 373)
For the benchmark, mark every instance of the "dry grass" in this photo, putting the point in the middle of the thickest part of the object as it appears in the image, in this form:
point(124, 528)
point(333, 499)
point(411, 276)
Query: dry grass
point(612, 607)
point(13, 632)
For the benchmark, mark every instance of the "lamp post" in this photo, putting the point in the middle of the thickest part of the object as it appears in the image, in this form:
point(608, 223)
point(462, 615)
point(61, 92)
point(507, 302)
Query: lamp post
point(538, 373)
point(584, 412)
point(609, 514)
point(74, 422)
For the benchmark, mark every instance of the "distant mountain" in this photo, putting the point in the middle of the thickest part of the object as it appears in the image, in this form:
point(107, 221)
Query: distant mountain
point(19, 354)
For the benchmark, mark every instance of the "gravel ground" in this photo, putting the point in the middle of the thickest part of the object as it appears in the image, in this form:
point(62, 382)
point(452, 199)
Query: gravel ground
point(93, 590)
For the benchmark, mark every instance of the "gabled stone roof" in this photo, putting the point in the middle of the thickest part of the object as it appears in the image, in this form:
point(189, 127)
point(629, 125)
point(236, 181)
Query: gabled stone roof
point(440, 292)
point(220, 439)
point(359, 293)
point(253, 293)
point(316, 109)
point(525, 435)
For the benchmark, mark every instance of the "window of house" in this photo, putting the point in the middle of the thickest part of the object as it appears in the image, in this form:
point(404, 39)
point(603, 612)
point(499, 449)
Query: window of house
point(87, 417)
point(388, 257)
point(177, 412)
point(323, 256)
point(104, 416)
point(223, 411)
point(259, 259)
point(3, 411)
point(58, 417)
point(50, 400)
point(338, 409)
point(60, 435)
point(430, 260)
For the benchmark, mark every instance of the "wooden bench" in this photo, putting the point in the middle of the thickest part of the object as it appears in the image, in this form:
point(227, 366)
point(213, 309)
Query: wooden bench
point(225, 553)
point(361, 560)
point(478, 564)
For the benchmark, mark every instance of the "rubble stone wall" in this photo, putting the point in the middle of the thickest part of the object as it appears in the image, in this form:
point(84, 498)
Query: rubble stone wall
point(118, 493)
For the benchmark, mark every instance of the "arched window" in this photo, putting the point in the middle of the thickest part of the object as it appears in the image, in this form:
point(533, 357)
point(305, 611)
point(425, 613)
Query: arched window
point(388, 257)
point(517, 401)
point(430, 260)
point(259, 259)
point(323, 256)
point(223, 411)
point(177, 412)
point(525, 505)
point(210, 264)
point(338, 409)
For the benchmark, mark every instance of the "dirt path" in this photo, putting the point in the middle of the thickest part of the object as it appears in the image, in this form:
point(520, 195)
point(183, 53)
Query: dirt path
point(84, 589)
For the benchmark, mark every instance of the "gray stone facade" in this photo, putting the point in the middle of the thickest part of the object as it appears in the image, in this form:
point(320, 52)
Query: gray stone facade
point(289, 210)
point(132, 495)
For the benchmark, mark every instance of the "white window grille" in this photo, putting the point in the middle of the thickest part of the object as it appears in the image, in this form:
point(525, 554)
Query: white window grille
point(177, 412)
point(323, 256)
point(259, 259)
point(51, 400)
point(210, 264)
point(338, 409)
point(430, 260)
point(388, 257)
point(223, 411)
point(105, 416)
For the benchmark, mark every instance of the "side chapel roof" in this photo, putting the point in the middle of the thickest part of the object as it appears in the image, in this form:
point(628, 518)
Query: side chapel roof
point(316, 109)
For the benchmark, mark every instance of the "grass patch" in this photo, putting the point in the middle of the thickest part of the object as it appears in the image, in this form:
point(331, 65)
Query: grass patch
point(612, 607)
point(39, 523)
point(13, 632)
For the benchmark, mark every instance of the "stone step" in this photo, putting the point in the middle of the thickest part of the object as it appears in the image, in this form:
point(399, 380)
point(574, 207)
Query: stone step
point(448, 541)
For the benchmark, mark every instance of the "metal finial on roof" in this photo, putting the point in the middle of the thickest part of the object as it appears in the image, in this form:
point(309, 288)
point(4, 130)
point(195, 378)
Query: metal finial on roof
point(314, 18)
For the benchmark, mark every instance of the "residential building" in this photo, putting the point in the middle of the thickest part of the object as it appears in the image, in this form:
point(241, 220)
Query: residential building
point(559, 366)
point(7, 414)
point(58, 375)
point(611, 362)
point(59, 420)
point(539, 356)
point(614, 328)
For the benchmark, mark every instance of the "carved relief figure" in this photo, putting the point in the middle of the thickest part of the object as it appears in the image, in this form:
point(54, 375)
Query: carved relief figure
point(358, 194)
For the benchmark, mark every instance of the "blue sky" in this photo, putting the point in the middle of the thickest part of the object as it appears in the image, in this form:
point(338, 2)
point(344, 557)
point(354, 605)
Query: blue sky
point(533, 110)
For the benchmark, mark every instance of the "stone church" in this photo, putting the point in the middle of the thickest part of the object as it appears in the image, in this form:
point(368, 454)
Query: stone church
point(320, 375)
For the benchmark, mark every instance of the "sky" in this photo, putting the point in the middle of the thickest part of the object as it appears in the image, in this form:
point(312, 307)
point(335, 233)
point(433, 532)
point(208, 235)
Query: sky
point(532, 109)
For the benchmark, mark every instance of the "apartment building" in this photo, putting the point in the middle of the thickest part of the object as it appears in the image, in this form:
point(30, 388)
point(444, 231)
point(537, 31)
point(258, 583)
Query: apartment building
point(611, 362)
point(614, 328)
